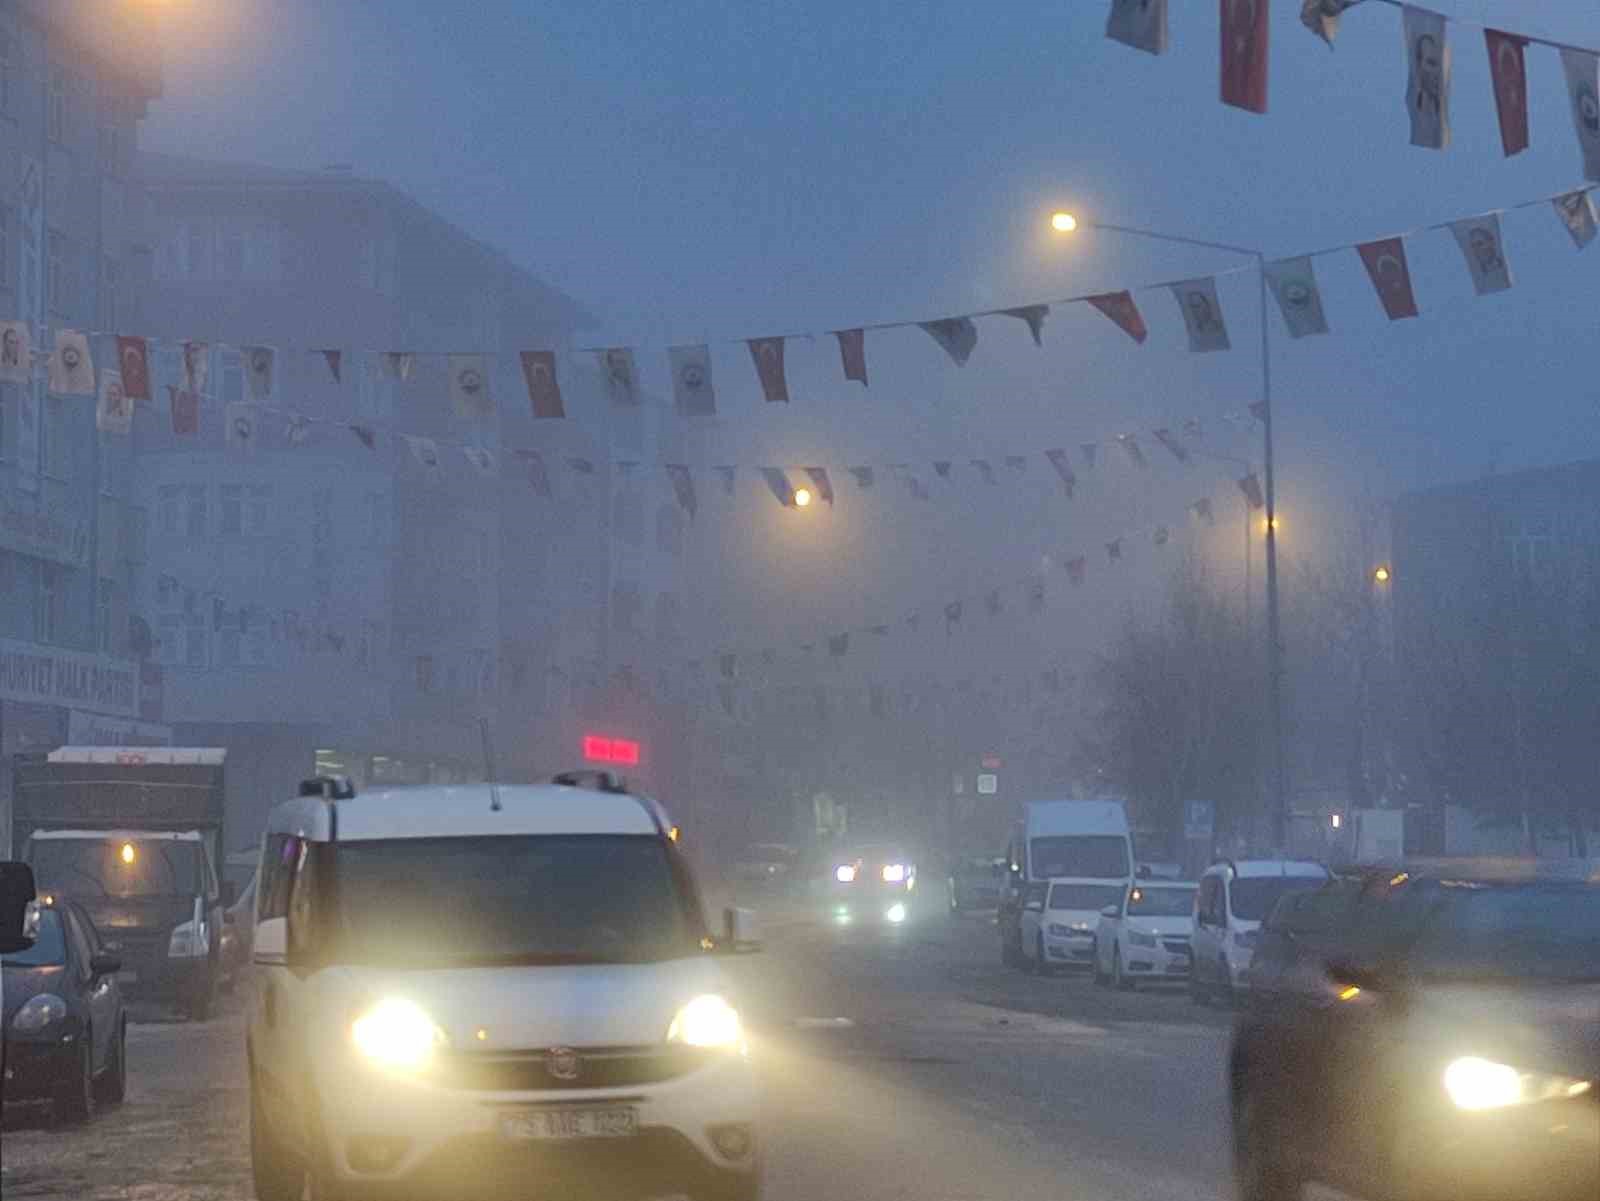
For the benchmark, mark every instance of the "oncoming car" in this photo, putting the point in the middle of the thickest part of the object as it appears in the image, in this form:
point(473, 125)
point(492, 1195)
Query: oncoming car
point(871, 883)
point(492, 989)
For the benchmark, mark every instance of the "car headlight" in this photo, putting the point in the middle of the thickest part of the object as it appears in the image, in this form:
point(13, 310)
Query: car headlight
point(1138, 938)
point(39, 1012)
point(396, 1033)
point(707, 1021)
point(845, 873)
point(188, 941)
point(894, 873)
point(1475, 1083)
point(1057, 930)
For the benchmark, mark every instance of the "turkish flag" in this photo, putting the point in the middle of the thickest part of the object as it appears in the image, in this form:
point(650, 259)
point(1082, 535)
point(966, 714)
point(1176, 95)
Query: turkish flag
point(544, 392)
point(1385, 261)
point(133, 356)
point(1510, 75)
point(1244, 54)
point(1119, 306)
point(853, 353)
point(767, 354)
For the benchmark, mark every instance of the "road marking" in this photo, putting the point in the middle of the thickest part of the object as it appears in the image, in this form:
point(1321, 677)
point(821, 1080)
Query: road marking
point(823, 1023)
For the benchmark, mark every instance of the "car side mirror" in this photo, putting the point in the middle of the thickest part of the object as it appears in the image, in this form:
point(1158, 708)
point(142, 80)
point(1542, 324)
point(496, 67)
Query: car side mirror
point(105, 964)
point(1111, 911)
point(1034, 906)
point(19, 909)
point(230, 894)
point(739, 934)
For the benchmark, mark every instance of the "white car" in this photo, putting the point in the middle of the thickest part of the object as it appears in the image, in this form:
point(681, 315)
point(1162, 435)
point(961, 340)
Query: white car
point(1235, 897)
point(474, 986)
point(1058, 922)
point(1146, 935)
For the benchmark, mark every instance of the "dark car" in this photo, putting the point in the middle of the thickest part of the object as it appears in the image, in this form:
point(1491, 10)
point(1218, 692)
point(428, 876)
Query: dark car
point(1434, 1033)
point(65, 1028)
point(976, 882)
point(872, 882)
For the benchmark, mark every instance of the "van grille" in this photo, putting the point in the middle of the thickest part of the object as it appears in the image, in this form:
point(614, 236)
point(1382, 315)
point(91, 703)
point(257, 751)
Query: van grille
point(598, 1067)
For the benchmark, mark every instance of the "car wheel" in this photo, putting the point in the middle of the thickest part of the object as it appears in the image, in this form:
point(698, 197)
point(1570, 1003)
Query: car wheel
point(1118, 980)
point(74, 1099)
point(112, 1086)
point(1258, 1162)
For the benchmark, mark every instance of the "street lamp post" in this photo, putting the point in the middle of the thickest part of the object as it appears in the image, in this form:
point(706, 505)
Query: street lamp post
point(1066, 223)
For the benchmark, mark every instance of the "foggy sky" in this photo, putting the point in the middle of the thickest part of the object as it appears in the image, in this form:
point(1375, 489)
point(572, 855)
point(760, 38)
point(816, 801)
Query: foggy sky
point(722, 168)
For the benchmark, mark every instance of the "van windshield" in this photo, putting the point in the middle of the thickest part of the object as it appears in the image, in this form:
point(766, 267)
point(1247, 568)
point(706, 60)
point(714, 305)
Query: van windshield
point(1091, 856)
point(510, 900)
point(117, 867)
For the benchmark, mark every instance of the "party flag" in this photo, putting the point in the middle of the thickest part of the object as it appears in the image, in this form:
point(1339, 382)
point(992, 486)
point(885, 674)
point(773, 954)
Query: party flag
point(863, 476)
point(16, 353)
point(767, 355)
point(683, 488)
point(1294, 286)
point(1076, 569)
point(538, 473)
point(241, 427)
point(726, 475)
point(185, 410)
point(469, 386)
point(941, 468)
point(1033, 315)
point(335, 361)
point(622, 377)
point(1130, 443)
point(838, 644)
point(1579, 66)
point(424, 450)
point(1479, 239)
point(367, 435)
point(1204, 511)
point(71, 368)
point(779, 483)
point(820, 482)
point(1202, 313)
point(985, 470)
point(261, 364)
point(1166, 438)
point(1141, 24)
point(1058, 459)
point(544, 389)
point(1576, 210)
point(1121, 309)
point(480, 458)
point(692, 390)
point(1509, 72)
point(133, 357)
point(1114, 550)
point(1244, 54)
point(853, 354)
point(1251, 487)
point(957, 335)
point(113, 411)
point(397, 364)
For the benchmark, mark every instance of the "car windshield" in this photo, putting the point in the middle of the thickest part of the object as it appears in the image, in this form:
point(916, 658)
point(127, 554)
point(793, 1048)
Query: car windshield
point(534, 899)
point(1161, 902)
point(1102, 856)
point(1084, 896)
point(124, 868)
point(1549, 931)
point(1251, 898)
point(49, 949)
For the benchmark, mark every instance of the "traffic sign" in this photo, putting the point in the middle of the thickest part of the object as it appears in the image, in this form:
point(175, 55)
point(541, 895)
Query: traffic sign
point(988, 784)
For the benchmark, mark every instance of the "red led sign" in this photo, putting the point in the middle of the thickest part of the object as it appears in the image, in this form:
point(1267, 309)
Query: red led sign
point(622, 751)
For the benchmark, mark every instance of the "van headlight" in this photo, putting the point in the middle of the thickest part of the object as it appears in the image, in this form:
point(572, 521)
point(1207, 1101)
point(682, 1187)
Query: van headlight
point(396, 1033)
point(1475, 1083)
point(39, 1012)
point(188, 941)
point(894, 873)
point(707, 1021)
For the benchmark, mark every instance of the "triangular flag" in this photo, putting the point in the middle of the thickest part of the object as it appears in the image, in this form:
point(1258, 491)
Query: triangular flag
point(1385, 261)
point(1479, 239)
point(863, 476)
point(1121, 309)
point(1244, 54)
point(918, 490)
point(335, 361)
point(185, 411)
point(544, 389)
point(538, 473)
point(71, 368)
point(1204, 511)
point(397, 364)
point(16, 353)
point(424, 450)
point(1576, 210)
point(726, 474)
point(820, 482)
point(1202, 312)
point(1058, 459)
point(1076, 569)
point(1017, 463)
point(1114, 550)
point(1131, 444)
point(1165, 437)
point(260, 363)
point(241, 427)
point(469, 387)
point(683, 488)
point(941, 468)
point(958, 336)
point(622, 377)
point(297, 429)
point(1427, 77)
point(1579, 67)
point(692, 390)
point(985, 470)
point(1321, 17)
point(1033, 315)
point(133, 361)
point(367, 435)
point(1141, 24)
point(1294, 287)
point(779, 483)
point(113, 410)
point(1509, 72)
point(853, 354)
point(480, 458)
point(767, 355)
point(1090, 451)
point(838, 644)
point(1251, 487)
point(581, 465)
point(196, 366)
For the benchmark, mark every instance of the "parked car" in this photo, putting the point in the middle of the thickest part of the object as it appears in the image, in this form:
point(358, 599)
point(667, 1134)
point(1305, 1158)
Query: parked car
point(976, 882)
point(1234, 898)
point(64, 1023)
point(1058, 922)
point(1146, 935)
point(1439, 1040)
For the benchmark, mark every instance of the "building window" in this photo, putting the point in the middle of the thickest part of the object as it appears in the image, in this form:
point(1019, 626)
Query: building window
point(231, 502)
point(232, 378)
point(58, 273)
point(424, 673)
point(6, 281)
point(170, 495)
point(7, 68)
point(47, 603)
point(56, 106)
point(196, 508)
point(228, 646)
point(194, 641)
point(102, 615)
point(110, 281)
point(258, 514)
point(170, 651)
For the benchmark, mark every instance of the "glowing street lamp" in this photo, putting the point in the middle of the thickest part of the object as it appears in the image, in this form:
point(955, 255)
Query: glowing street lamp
point(1380, 575)
point(802, 497)
point(1063, 223)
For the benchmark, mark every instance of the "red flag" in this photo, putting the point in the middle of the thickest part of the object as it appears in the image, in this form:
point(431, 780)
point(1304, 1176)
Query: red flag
point(1120, 308)
point(1510, 74)
point(683, 487)
point(1386, 264)
point(133, 358)
point(1251, 487)
point(334, 359)
point(1058, 460)
point(853, 352)
point(185, 410)
point(1244, 54)
point(767, 354)
point(544, 392)
point(1076, 569)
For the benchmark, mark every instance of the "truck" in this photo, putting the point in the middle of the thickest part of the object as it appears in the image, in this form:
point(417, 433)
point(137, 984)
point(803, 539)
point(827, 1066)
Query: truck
point(1077, 841)
point(134, 835)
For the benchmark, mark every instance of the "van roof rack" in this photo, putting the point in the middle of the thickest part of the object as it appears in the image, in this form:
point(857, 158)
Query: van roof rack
point(329, 788)
point(599, 781)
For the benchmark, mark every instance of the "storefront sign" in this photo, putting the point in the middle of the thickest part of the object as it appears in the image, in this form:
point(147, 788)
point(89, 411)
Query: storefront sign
point(93, 729)
point(49, 676)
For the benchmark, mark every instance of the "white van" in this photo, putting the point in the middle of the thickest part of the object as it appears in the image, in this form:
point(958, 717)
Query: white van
point(1078, 842)
point(468, 986)
point(1233, 900)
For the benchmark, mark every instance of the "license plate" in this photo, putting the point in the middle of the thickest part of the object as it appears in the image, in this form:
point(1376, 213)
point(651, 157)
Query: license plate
point(558, 1123)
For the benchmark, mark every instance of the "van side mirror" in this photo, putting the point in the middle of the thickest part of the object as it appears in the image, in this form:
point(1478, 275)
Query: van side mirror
point(739, 933)
point(105, 964)
point(19, 909)
point(1111, 911)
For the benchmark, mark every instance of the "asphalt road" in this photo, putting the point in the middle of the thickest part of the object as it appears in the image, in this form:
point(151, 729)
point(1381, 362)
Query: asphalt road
point(901, 1063)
